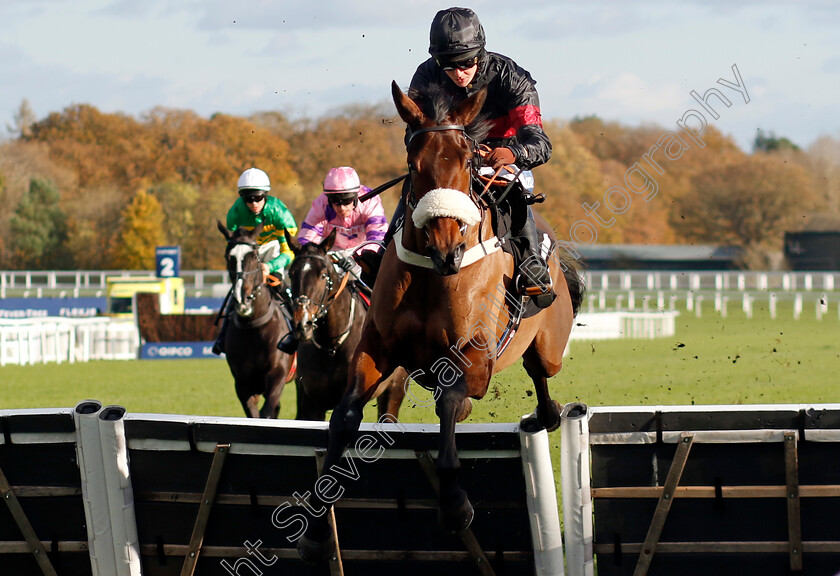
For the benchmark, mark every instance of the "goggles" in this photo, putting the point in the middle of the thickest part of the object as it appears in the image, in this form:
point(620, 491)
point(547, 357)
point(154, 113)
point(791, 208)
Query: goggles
point(253, 199)
point(341, 200)
point(457, 65)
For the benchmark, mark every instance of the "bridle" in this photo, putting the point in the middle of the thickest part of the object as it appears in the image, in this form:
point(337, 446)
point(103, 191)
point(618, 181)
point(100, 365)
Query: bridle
point(480, 201)
point(239, 277)
point(325, 302)
point(411, 200)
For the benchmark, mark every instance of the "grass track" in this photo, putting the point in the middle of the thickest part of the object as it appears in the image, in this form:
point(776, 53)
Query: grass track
point(711, 360)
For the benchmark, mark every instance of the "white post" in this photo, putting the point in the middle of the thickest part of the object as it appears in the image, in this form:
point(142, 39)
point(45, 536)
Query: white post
point(762, 282)
point(541, 497)
point(786, 282)
point(660, 300)
point(602, 300)
point(699, 310)
point(631, 300)
point(809, 282)
point(718, 301)
point(94, 492)
point(674, 283)
point(619, 301)
point(797, 306)
point(828, 282)
point(723, 305)
point(577, 499)
point(718, 281)
point(651, 283)
point(742, 283)
point(672, 302)
point(120, 493)
point(773, 305)
point(689, 301)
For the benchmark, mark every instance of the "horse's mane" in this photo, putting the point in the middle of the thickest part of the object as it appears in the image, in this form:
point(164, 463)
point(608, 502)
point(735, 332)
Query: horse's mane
point(437, 105)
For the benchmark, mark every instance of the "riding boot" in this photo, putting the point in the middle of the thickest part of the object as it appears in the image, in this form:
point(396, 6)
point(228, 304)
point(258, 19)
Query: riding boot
point(288, 344)
point(534, 279)
point(219, 344)
point(224, 313)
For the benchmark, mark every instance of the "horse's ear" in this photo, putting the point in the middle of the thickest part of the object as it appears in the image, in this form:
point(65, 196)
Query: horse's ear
point(407, 108)
point(227, 233)
point(328, 242)
point(467, 110)
point(292, 242)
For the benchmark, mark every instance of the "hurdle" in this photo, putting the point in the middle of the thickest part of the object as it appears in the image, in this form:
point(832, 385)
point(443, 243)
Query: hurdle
point(99, 491)
point(698, 490)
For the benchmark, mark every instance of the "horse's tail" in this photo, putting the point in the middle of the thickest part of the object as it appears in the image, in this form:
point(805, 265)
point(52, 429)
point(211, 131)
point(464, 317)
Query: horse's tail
point(574, 281)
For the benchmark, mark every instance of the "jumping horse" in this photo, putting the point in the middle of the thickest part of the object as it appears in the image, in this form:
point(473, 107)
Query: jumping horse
point(327, 318)
point(256, 325)
point(432, 309)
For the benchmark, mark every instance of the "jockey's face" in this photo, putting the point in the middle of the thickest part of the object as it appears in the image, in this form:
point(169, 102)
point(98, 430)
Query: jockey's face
point(462, 77)
point(255, 203)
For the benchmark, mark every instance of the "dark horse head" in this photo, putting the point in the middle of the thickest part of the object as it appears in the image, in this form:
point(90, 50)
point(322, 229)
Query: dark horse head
point(244, 267)
point(313, 285)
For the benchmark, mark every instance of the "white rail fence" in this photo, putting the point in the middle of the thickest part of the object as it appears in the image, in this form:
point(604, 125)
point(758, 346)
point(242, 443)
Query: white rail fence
point(72, 283)
point(53, 339)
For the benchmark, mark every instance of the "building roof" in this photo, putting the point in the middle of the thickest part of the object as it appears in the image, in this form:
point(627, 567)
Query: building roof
point(669, 252)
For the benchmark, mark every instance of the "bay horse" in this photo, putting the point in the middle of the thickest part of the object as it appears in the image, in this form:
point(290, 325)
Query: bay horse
point(256, 326)
point(327, 318)
point(432, 310)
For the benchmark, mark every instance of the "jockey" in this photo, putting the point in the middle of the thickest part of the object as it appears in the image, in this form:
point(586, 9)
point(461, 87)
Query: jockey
point(460, 66)
point(338, 208)
point(359, 225)
point(254, 206)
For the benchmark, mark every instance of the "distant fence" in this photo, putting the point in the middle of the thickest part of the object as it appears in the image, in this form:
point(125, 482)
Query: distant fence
point(53, 339)
point(87, 282)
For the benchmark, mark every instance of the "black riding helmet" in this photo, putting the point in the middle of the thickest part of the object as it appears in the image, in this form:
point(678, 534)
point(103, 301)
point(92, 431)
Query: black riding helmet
point(456, 36)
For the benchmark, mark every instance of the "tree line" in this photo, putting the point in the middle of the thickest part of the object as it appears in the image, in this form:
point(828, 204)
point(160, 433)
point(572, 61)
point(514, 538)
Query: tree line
point(84, 189)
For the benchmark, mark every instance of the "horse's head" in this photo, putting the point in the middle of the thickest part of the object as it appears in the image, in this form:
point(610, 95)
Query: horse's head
point(440, 156)
point(244, 266)
point(311, 281)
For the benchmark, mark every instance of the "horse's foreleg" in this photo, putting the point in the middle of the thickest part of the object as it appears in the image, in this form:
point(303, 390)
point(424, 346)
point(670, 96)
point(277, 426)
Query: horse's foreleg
point(392, 396)
point(275, 381)
point(456, 512)
point(548, 410)
point(251, 405)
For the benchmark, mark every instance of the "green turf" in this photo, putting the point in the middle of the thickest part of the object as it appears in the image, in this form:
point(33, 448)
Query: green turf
point(710, 360)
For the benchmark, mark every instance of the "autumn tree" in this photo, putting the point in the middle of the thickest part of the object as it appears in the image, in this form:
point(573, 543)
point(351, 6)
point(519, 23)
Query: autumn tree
point(141, 230)
point(38, 228)
point(750, 203)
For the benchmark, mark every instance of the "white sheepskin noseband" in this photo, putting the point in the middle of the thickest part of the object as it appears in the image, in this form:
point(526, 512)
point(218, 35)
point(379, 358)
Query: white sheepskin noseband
point(445, 203)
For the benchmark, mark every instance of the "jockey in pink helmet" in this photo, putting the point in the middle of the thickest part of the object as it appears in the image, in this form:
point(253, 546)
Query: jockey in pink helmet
point(356, 223)
point(338, 208)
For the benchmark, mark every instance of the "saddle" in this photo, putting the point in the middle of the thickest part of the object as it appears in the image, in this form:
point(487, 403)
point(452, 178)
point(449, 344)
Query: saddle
point(508, 213)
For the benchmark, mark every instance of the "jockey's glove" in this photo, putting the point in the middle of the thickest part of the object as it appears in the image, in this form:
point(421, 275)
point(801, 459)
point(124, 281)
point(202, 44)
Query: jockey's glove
point(499, 157)
point(345, 263)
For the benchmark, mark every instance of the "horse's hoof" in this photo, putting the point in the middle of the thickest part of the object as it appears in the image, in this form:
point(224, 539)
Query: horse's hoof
point(458, 518)
point(315, 552)
point(552, 421)
point(537, 420)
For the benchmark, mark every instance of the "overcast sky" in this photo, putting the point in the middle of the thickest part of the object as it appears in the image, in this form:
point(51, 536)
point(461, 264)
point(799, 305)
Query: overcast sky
point(634, 62)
